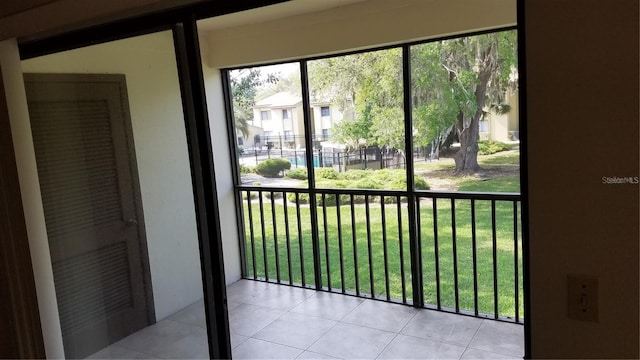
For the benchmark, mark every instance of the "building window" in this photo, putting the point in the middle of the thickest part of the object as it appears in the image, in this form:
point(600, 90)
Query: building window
point(325, 134)
point(288, 135)
point(264, 115)
point(267, 135)
point(287, 124)
point(484, 126)
point(286, 114)
point(324, 111)
point(240, 140)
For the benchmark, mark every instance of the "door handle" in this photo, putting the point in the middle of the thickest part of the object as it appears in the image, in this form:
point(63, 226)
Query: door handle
point(131, 222)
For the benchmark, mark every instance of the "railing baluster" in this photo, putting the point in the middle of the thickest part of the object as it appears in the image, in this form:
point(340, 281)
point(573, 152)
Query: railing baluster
point(252, 236)
point(419, 239)
point(300, 239)
point(275, 235)
point(384, 247)
point(515, 261)
point(326, 239)
point(355, 245)
point(264, 237)
point(494, 244)
point(454, 248)
point(400, 242)
point(474, 252)
point(287, 236)
point(368, 218)
point(341, 251)
point(435, 251)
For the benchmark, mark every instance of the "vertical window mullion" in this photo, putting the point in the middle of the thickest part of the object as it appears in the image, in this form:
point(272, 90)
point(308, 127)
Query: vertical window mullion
point(235, 173)
point(191, 78)
point(414, 245)
point(313, 210)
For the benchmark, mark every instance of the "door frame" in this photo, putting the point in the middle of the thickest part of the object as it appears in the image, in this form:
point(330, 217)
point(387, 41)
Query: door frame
point(118, 80)
point(20, 315)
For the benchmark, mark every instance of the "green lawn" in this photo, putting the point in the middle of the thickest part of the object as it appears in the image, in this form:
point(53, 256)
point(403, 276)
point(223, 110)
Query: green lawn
point(511, 158)
point(501, 174)
point(506, 163)
point(297, 251)
point(502, 184)
point(433, 165)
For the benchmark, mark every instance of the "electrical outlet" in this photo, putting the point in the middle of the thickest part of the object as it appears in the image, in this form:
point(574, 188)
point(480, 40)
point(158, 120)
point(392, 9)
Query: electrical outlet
point(582, 297)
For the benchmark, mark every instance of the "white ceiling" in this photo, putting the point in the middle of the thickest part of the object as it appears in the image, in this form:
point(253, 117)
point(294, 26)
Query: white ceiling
point(273, 12)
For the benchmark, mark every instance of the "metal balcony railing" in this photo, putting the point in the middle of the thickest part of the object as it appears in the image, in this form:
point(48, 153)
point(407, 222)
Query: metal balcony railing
point(460, 253)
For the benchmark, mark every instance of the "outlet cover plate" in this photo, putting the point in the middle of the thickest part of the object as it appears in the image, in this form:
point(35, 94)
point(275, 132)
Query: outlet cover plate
point(582, 297)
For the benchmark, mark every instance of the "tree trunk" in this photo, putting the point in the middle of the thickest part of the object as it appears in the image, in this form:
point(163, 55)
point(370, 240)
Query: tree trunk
point(467, 157)
point(468, 130)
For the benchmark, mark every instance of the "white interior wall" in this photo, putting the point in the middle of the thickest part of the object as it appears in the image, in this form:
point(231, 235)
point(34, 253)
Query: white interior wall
point(222, 163)
point(361, 25)
point(149, 65)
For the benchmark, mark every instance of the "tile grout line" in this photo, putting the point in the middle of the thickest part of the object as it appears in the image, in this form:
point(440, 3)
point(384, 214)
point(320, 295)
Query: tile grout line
point(139, 351)
point(466, 348)
point(152, 356)
point(410, 320)
point(289, 311)
point(336, 322)
point(329, 329)
point(387, 345)
point(494, 351)
point(398, 333)
point(275, 343)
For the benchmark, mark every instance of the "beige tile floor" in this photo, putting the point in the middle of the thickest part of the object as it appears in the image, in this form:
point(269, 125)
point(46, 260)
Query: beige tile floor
point(270, 321)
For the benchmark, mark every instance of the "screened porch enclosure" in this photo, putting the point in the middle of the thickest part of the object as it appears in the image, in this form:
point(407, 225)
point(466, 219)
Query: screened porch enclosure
point(388, 232)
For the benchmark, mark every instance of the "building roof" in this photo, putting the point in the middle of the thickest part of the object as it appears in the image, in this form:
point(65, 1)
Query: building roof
point(280, 99)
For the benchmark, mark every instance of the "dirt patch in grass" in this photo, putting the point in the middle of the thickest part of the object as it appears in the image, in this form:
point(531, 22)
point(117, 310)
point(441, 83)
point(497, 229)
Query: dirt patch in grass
point(442, 176)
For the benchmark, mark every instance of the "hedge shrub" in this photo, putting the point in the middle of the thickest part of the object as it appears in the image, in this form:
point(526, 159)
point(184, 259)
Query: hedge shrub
point(488, 147)
point(247, 169)
point(298, 174)
point(273, 167)
point(367, 183)
point(401, 184)
point(327, 173)
point(360, 179)
point(357, 174)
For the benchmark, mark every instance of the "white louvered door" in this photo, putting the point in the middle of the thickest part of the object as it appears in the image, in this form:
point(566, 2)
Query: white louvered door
point(84, 151)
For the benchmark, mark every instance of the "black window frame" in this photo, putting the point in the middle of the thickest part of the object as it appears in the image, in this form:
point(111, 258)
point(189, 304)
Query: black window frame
point(410, 192)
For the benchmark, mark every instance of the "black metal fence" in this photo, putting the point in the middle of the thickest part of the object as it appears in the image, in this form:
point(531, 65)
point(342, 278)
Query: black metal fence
point(364, 158)
point(461, 253)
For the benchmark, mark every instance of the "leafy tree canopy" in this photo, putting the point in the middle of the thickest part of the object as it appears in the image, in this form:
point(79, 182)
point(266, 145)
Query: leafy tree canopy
point(244, 86)
point(365, 87)
point(453, 83)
